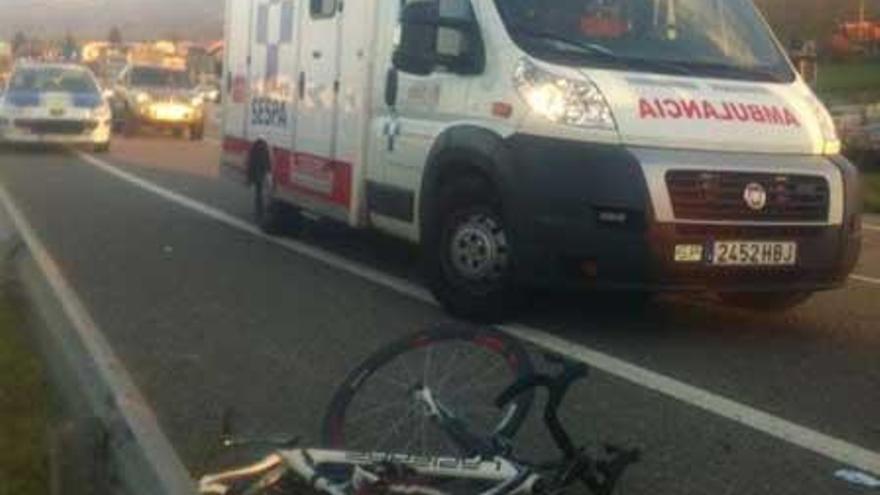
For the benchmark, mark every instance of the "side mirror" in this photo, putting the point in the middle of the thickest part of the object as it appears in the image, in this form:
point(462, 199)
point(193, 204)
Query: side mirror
point(428, 40)
point(417, 50)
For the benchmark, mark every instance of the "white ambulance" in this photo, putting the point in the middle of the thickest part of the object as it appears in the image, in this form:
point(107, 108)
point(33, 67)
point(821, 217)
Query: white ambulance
point(645, 145)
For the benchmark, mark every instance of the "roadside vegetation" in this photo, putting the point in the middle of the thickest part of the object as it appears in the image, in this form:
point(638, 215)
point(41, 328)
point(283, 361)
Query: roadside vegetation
point(872, 191)
point(858, 82)
point(23, 409)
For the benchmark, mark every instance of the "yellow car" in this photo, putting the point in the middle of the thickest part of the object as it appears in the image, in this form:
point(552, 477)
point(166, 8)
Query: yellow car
point(158, 97)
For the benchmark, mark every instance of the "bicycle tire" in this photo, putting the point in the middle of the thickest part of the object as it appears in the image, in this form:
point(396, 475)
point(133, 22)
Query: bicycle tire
point(485, 343)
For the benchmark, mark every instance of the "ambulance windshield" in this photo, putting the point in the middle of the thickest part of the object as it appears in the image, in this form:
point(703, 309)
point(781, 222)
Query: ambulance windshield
point(707, 38)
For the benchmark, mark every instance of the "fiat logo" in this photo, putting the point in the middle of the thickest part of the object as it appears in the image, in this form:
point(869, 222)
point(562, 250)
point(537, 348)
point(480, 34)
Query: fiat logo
point(755, 196)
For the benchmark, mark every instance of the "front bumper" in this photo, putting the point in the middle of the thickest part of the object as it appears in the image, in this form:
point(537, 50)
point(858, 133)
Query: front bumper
point(100, 134)
point(170, 114)
point(588, 215)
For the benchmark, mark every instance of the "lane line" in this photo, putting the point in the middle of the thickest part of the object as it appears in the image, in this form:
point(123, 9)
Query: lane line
point(864, 279)
point(782, 429)
point(136, 414)
point(301, 248)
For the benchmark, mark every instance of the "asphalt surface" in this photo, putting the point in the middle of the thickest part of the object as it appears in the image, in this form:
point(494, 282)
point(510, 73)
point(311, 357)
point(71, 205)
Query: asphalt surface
point(206, 316)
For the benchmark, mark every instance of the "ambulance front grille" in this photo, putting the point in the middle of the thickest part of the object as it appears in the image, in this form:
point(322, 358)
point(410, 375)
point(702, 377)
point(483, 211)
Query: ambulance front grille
point(721, 196)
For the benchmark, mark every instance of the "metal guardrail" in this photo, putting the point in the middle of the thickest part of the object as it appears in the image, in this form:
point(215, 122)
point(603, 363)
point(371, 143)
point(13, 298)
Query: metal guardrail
point(104, 438)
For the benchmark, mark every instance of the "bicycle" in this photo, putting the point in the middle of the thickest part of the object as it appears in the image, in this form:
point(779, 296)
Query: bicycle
point(482, 458)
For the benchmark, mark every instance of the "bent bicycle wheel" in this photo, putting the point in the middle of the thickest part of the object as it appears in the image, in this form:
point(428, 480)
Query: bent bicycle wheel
point(463, 368)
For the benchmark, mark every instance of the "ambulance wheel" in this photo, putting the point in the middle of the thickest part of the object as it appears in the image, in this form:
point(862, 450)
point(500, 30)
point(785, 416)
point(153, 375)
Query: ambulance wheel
point(468, 253)
point(268, 211)
point(765, 301)
point(102, 147)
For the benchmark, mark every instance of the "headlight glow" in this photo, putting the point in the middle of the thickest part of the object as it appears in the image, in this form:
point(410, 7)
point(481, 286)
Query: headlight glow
point(101, 112)
point(562, 100)
point(831, 141)
point(142, 98)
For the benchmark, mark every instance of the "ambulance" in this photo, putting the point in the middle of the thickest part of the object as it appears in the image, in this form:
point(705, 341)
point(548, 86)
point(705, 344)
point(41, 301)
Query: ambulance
point(631, 145)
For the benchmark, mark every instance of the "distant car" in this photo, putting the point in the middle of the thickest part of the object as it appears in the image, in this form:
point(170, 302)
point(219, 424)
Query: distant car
point(158, 97)
point(54, 103)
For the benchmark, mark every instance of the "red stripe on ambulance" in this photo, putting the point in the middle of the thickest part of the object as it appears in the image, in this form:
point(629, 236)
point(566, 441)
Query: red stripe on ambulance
point(314, 176)
point(725, 111)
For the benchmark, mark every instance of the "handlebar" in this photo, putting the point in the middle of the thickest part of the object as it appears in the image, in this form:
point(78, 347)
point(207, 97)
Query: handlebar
point(599, 475)
point(557, 387)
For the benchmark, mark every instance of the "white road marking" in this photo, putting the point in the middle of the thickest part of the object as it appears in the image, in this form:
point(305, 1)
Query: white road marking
point(867, 280)
point(289, 244)
point(871, 227)
point(833, 448)
point(136, 414)
point(782, 429)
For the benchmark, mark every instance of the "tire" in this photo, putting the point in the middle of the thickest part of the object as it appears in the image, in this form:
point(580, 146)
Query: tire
point(468, 256)
point(197, 132)
point(101, 147)
point(386, 378)
point(178, 132)
point(769, 302)
point(269, 213)
point(130, 126)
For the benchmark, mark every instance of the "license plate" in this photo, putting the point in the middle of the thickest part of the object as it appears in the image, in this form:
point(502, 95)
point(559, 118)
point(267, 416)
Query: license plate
point(752, 253)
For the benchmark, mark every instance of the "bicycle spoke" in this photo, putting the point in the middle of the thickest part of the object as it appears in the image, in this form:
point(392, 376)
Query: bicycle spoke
point(460, 373)
point(374, 411)
point(424, 435)
point(394, 427)
point(397, 383)
point(426, 371)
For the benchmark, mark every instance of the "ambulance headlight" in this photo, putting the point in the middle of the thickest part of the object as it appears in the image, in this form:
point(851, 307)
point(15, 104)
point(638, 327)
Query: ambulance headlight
point(562, 100)
point(831, 140)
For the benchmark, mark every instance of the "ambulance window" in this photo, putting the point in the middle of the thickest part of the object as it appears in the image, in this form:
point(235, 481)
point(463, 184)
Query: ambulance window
point(323, 8)
point(450, 42)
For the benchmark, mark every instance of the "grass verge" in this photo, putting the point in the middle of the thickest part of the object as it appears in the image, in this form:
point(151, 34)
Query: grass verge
point(871, 182)
point(23, 408)
point(851, 81)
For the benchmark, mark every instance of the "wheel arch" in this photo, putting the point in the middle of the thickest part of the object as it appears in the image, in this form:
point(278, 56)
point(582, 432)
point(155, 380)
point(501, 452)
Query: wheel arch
point(462, 150)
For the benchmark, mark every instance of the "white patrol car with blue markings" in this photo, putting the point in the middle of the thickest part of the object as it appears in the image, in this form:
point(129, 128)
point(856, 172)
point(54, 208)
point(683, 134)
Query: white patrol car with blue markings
point(647, 145)
point(54, 103)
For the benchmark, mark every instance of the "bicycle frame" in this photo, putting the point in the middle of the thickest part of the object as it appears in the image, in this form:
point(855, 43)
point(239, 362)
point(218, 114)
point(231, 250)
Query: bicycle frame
point(487, 460)
point(508, 478)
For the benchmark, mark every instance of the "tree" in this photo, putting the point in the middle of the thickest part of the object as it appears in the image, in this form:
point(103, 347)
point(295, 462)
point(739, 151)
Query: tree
point(18, 42)
point(115, 36)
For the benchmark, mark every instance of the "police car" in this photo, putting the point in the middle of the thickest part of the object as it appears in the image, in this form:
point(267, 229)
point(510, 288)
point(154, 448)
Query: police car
point(54, 103)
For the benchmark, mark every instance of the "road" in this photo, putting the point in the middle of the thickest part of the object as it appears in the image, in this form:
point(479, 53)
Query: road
point(206, 314)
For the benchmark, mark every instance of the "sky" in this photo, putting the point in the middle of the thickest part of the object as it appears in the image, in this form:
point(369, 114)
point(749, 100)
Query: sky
point(203, 19)
point(137, 19)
